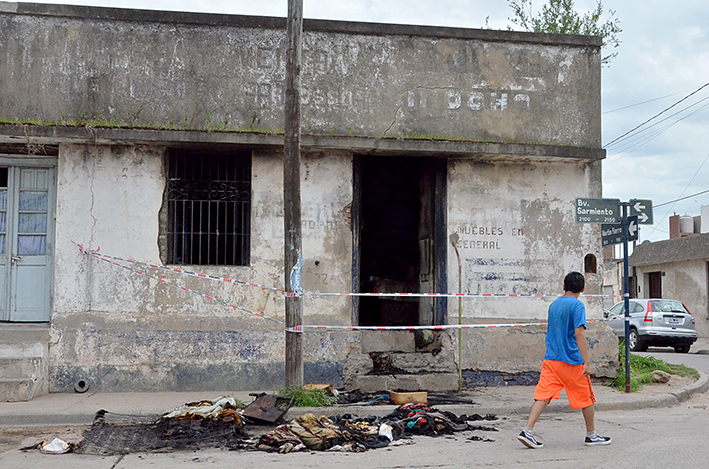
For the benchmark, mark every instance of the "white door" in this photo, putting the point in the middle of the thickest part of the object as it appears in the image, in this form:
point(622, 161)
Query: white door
point(26, 243)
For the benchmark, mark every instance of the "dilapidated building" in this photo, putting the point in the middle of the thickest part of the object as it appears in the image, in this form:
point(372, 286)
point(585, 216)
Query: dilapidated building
point(676, 269)
point(157, 137)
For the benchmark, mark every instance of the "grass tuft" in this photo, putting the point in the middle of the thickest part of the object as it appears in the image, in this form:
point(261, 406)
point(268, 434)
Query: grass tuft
point(641, 369)
point(308, 397)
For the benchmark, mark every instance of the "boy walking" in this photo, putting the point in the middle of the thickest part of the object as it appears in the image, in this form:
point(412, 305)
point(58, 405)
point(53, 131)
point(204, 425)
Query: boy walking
point(566, 364)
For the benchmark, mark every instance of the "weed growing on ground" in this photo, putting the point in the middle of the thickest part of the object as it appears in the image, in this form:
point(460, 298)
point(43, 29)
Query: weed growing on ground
point(308, 397)
point(641, 369)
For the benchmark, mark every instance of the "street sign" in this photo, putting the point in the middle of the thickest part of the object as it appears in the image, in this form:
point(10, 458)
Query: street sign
point(643, 209)
point(598, 211)
point(611, 234)
point(633, 228)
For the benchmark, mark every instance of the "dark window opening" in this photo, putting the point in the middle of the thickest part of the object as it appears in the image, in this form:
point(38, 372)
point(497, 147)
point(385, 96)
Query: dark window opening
point(209, 207)
point(590, 264)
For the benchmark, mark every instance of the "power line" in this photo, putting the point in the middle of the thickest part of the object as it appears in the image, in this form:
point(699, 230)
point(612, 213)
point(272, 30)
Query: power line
point(632, 143)
point(641, 103)
point(681, 198)
point(686, 187)
point(658, 114)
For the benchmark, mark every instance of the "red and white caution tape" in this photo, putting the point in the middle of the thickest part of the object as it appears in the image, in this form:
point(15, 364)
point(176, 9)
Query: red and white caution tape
point(182, 271)
point(305, 327)
point(410, 328)
point(299, 329)
point(112, 260)
point(449, 295)
point(311, 293)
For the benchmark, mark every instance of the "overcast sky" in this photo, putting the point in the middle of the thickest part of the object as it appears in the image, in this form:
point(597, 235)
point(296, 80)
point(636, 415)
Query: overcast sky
point(664, 57)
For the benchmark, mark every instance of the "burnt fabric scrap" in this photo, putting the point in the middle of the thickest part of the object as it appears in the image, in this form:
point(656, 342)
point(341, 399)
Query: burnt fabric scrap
point(195, 425)
point(352, 433)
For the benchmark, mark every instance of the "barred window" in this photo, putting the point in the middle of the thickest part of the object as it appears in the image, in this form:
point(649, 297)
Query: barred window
point(209, 207)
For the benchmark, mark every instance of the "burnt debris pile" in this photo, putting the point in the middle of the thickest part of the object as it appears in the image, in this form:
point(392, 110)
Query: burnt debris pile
point(220, 424)
point(193, 426)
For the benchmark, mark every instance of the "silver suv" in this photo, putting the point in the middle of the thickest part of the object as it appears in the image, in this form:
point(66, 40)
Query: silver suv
point(654, 322)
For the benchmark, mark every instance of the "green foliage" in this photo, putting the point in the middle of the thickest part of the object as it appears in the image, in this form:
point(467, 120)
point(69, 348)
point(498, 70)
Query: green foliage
point(559, 17)
point(308, 397)
point(641, 369)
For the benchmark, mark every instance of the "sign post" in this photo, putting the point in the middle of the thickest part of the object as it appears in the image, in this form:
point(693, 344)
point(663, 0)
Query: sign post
point(626, 298)
point(619, 224)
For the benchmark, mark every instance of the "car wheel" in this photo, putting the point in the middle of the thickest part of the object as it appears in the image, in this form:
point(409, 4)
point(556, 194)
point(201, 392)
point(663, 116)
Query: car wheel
point(684, 348)
point(634, 342)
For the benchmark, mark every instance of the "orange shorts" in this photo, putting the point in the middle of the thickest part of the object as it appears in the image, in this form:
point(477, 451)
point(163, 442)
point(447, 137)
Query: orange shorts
point(558, 375)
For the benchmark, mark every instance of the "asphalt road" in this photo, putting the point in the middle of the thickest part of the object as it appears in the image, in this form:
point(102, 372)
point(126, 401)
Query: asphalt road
point(698, 361)
point(648, 439)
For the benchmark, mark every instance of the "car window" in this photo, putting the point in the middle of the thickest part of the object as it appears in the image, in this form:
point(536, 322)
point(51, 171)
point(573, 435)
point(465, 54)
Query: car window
point(636, 307)
point(668, 306)
point(618, 309)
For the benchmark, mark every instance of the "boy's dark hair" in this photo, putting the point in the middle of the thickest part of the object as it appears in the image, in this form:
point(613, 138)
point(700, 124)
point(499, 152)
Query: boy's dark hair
point(574, 282)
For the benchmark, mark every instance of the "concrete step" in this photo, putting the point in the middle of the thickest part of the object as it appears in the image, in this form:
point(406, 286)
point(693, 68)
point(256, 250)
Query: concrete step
point(18, 390)
point(18, 368)
point(24, 351)
point(432, 382)
point(12, 333)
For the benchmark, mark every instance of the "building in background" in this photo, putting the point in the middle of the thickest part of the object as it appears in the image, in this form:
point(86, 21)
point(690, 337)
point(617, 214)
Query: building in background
point(677, 268)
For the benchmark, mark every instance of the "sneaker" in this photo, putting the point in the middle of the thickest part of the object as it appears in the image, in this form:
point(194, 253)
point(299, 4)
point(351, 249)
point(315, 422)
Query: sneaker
point(528, 440)
point(597, 440)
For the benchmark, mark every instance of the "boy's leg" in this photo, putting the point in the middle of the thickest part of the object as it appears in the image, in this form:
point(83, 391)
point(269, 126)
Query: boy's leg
point(589, 414)
point(537, 409)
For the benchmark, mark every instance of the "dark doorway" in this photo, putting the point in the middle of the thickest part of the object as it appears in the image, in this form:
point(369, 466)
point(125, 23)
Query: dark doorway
point(654, 280)
point(398, 226)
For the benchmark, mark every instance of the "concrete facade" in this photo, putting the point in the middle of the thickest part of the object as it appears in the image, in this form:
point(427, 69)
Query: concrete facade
point(685, 281)
point(682, 267)
point(511, 121)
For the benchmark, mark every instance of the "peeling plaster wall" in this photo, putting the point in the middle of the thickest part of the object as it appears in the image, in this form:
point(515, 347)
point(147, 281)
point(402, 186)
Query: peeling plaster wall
point(64, 63)
point(684, 281)
point(518, 235)
point(125, 332)
point(493, 350)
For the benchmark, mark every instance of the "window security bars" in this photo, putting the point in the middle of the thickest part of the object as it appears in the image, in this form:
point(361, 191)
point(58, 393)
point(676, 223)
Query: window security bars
point(209, 207)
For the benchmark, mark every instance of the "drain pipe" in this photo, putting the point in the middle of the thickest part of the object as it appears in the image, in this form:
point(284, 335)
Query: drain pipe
point(454, 241)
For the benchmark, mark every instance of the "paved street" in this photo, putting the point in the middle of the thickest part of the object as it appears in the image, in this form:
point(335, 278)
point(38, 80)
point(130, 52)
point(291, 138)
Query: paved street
point(652, 438)
point(698, 361)
point(643, 437)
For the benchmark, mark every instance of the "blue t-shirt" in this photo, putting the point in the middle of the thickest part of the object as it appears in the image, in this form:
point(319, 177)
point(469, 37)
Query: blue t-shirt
point(566, 313)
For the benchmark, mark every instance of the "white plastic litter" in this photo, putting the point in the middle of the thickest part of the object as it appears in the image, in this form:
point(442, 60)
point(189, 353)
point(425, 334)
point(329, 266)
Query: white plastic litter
point(56, 446)
point(387, 431)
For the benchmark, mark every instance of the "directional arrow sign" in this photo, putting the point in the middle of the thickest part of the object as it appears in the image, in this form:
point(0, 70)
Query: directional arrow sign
point(598, 211)
point(643, 209)
point(633, 228)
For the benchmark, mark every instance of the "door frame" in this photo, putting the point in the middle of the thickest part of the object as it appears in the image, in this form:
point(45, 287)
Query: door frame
point(440, 231)
point(20, 161)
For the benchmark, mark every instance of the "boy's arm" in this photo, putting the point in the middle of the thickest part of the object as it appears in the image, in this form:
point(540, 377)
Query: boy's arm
point(580, 333)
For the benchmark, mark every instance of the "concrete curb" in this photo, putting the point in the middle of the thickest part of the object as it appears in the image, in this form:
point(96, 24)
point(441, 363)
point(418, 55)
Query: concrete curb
point(501, 405)
point(700, 386)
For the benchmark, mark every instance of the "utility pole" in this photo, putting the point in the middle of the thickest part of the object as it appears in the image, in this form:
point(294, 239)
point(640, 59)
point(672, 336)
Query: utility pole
point(291, 198)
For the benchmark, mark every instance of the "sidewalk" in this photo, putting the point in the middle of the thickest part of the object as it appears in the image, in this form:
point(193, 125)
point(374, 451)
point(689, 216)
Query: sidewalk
point(79, 409)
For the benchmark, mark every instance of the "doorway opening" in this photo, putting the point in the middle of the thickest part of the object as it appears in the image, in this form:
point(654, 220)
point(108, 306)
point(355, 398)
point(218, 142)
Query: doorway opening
point(654, 284)
point(399, 216)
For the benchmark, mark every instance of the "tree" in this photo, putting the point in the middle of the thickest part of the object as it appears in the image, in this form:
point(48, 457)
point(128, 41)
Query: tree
point(559, 17)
